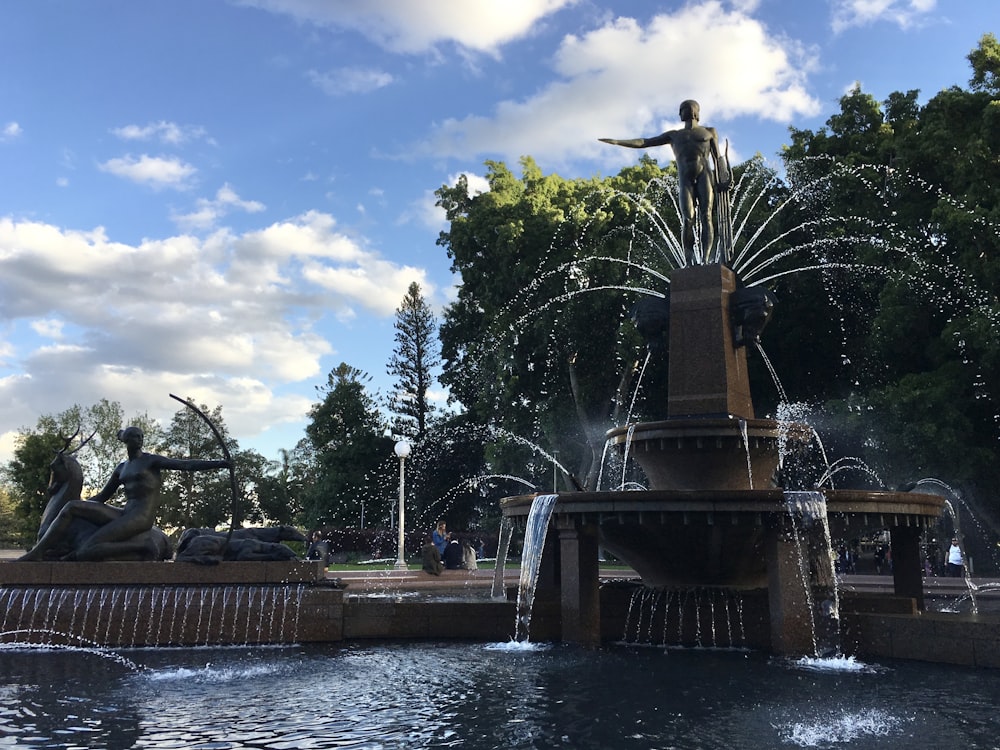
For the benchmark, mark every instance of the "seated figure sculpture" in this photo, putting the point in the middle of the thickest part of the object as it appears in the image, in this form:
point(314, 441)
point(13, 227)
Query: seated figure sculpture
point(65, 486)
point(115, 529)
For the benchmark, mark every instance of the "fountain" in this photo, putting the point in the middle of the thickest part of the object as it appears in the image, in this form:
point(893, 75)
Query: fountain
point(723, 509)
point(734, 552)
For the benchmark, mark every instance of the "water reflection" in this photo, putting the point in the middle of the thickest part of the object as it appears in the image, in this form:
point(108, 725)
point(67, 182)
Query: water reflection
point(439, 695)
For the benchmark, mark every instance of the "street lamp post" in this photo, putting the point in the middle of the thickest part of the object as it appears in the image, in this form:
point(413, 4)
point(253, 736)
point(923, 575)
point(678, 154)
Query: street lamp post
point(402, 450)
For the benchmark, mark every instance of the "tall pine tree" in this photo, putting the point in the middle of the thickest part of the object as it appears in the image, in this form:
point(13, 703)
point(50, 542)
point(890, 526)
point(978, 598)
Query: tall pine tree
point(413, 359)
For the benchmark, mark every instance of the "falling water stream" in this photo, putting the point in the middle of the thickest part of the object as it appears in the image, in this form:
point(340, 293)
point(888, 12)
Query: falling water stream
point(169, 614)
point(531, 559)
point(814, 549)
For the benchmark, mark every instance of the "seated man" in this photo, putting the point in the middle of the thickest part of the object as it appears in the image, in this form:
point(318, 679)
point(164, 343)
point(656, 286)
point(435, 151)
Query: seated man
point(453, 555)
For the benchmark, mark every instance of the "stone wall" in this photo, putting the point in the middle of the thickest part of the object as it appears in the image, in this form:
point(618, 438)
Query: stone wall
point(968, 640)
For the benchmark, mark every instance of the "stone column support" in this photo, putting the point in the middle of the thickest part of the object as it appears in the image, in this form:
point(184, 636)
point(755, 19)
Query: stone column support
point(791, 619)
point(907, 571)
point(580, 600)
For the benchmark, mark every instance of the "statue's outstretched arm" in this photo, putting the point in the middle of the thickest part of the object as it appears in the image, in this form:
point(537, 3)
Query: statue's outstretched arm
point(659, 140)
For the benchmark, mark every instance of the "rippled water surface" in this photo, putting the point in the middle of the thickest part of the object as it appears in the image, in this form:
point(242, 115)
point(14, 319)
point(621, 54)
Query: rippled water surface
point(440, 695)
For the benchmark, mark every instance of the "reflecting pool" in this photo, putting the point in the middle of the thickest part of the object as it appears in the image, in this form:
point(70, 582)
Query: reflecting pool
point(443, 695)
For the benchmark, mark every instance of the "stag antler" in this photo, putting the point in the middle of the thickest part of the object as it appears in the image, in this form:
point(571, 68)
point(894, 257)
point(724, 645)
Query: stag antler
point(84, 442)
point(68, 440)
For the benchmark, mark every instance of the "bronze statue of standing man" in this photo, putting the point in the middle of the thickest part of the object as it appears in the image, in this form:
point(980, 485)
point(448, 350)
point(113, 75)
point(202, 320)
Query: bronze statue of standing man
point(701, 170)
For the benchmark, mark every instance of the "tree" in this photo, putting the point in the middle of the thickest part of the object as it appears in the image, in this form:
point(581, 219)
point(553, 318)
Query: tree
point(985, 62)
point(280, 489)
point(412, 362)
point(549, 267)
point(918, 187)
point(199, 499)
point(352, 454)
point(28, 472)
point(10, 524)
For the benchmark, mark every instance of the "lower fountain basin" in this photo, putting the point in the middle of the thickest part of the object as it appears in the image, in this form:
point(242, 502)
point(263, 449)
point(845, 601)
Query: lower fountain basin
point(717, 538)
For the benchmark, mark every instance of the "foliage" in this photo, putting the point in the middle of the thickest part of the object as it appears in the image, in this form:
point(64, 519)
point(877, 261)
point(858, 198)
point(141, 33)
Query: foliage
point(918, 188)
point(518, 343)
point(985, 62)
point(350, 453)
point(280, 489)
point(27, 474)
point(412, 361)
point(441, 477)
point(11, 527)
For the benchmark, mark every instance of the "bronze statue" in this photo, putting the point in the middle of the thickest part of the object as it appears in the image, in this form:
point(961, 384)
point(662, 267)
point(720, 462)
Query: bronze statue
point(65, 486)
point(115, 529)
point(701, 171)
point(210, 547)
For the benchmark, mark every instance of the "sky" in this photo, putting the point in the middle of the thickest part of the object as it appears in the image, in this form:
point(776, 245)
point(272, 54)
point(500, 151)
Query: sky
point(225, 199)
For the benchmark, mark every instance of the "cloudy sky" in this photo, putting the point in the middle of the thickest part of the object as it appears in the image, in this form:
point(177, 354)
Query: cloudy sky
point(226, 198)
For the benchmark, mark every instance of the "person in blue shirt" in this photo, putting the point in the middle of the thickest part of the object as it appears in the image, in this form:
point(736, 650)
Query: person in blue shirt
point(440, 537)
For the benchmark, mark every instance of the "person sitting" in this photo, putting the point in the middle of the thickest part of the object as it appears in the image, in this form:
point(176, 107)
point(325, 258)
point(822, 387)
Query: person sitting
point(319, 548)
point(440, 536)
point(432, 558)
point(469, 557)
point(453, 555)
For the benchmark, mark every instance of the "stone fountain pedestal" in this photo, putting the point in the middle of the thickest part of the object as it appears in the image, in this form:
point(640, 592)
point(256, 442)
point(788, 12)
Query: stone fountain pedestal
point(714, 515)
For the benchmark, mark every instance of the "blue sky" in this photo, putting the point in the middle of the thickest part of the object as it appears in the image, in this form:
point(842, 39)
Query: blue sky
point(225, 199)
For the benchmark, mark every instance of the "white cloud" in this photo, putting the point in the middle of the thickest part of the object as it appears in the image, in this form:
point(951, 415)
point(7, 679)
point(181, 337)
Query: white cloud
point(625, 79)
point(903, 13)
point(209, 211)
point(231, 319)
point(414, 27)
point(155, 171)
point(49, 328)
point(10, 131)
point(377, 285)
point(349, 80)
point(165, 132)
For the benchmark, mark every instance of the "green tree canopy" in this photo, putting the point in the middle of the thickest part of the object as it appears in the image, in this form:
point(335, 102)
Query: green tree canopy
point(351, 451)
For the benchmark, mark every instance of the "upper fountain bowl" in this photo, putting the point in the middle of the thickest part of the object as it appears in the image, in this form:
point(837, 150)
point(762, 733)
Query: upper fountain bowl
point(707, 453)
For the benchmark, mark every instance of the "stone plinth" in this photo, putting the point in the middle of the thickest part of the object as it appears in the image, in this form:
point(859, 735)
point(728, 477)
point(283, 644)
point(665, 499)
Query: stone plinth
point(152, 573)
point(707, 374)
point(123, 604)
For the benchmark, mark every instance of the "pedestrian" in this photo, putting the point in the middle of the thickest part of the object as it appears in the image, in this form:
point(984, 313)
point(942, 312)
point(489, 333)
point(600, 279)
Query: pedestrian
point(452, 556)
point(956, 562)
